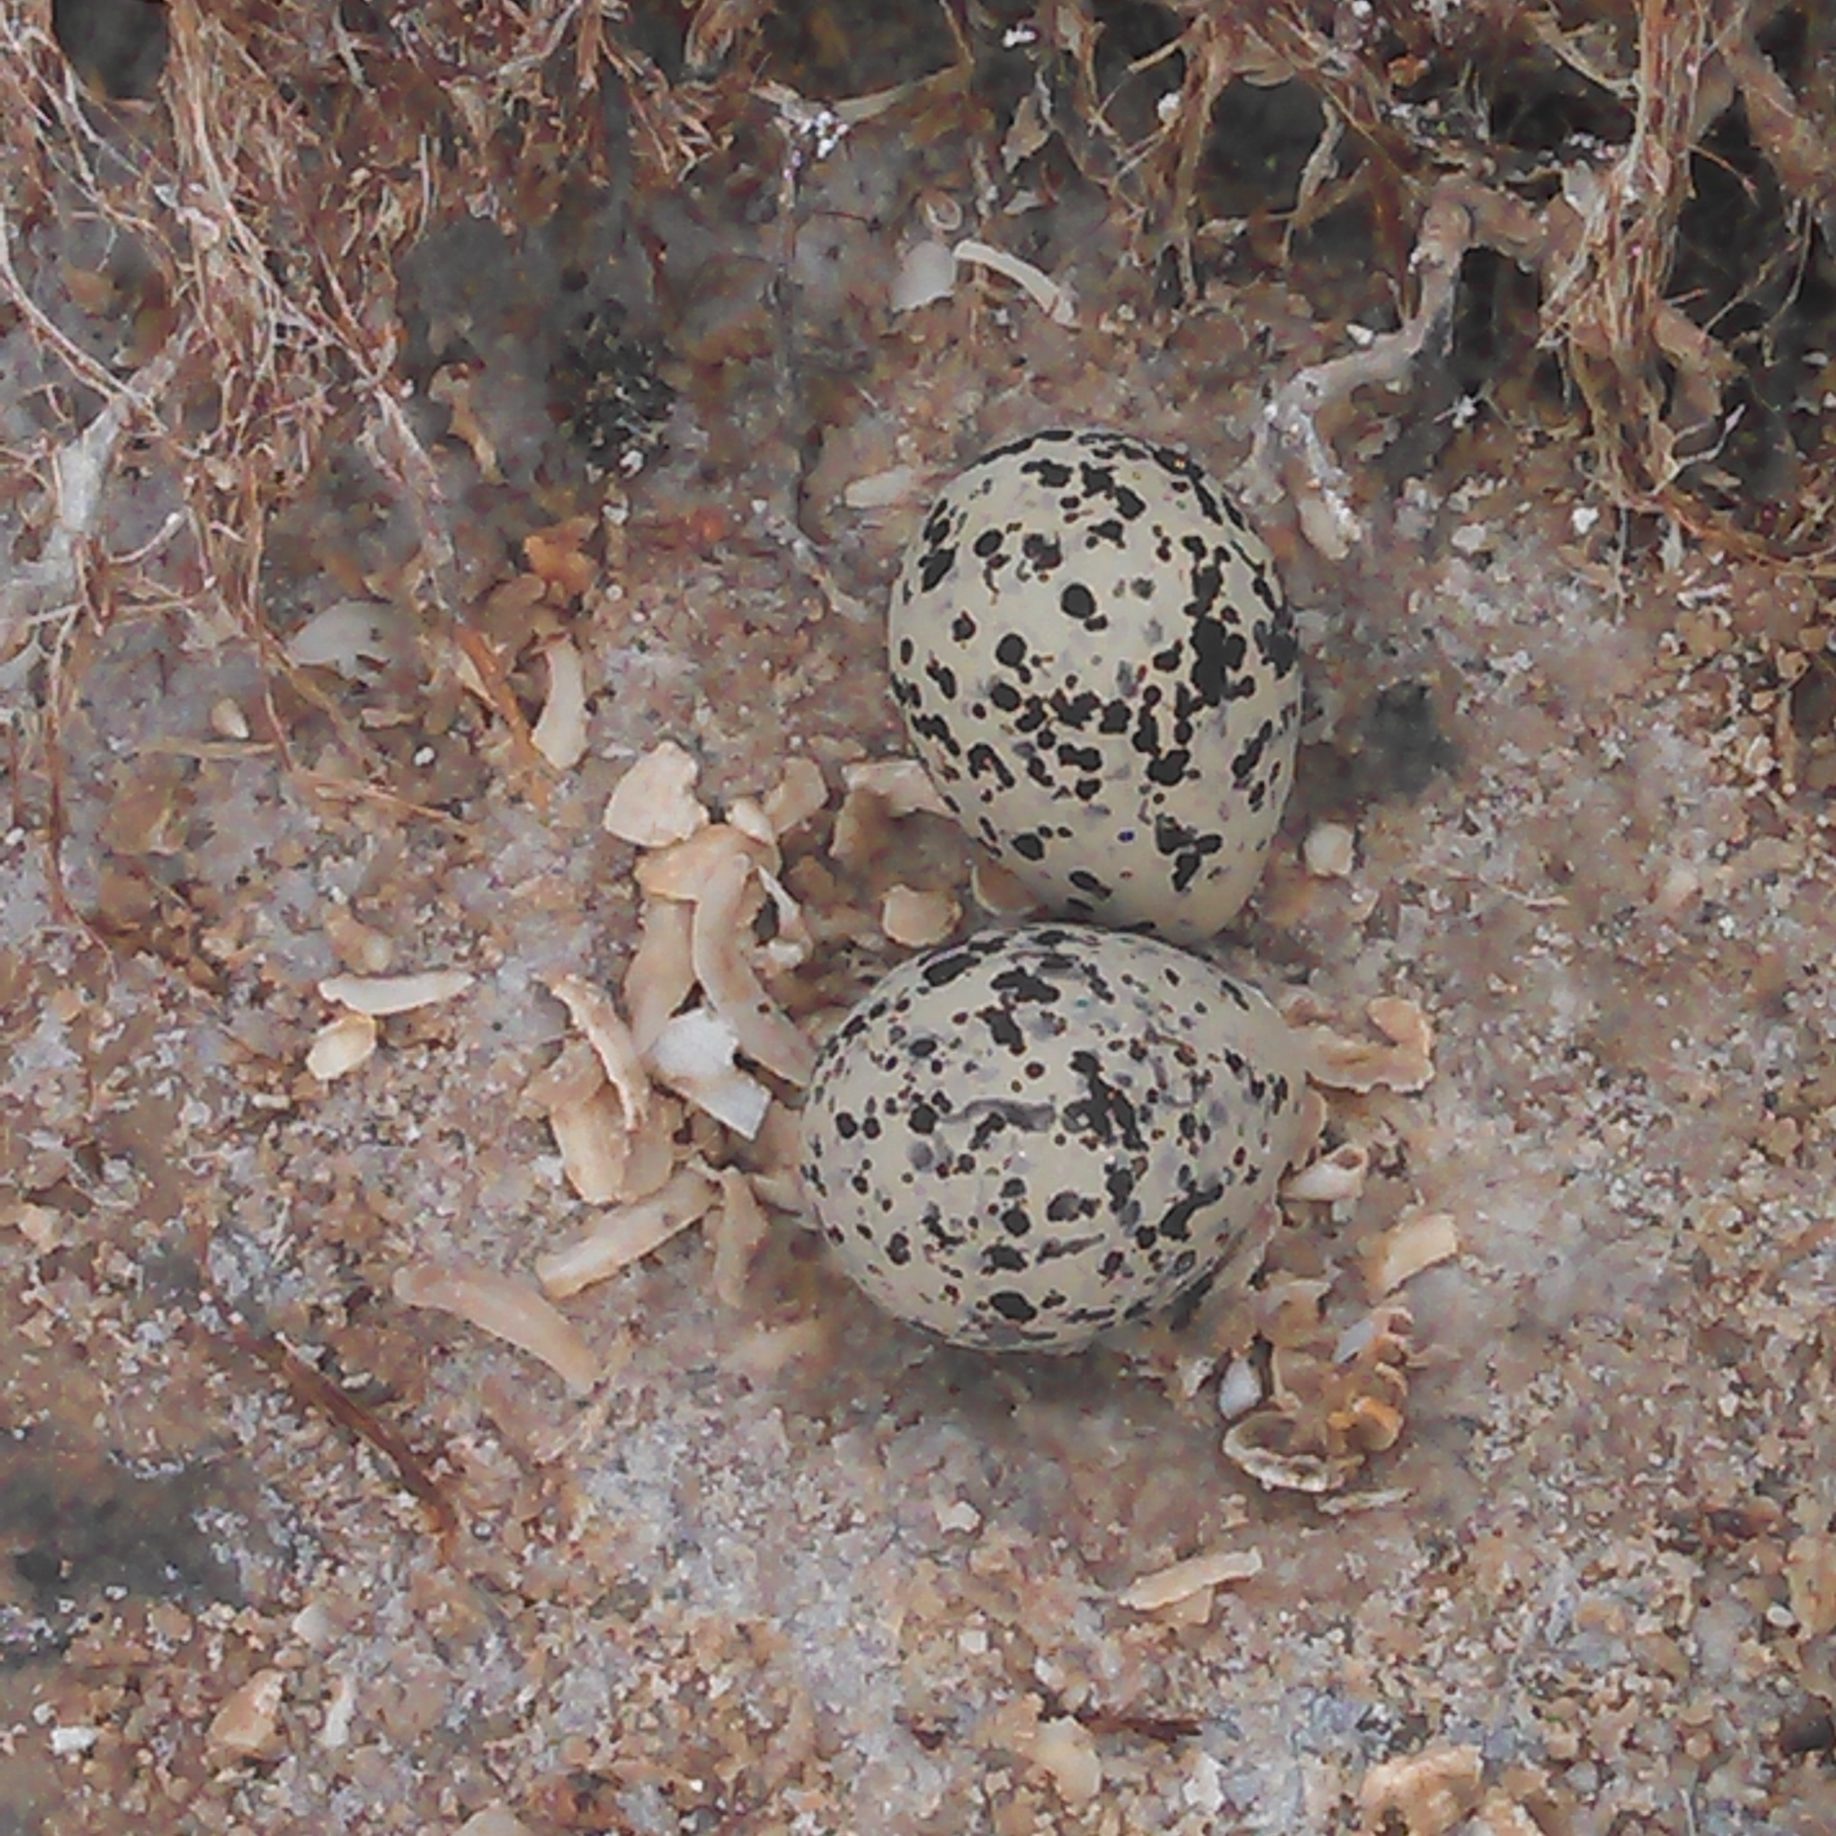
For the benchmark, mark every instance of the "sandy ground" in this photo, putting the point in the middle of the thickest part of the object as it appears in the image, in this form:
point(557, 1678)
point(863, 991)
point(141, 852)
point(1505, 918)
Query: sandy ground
point(788, 1568)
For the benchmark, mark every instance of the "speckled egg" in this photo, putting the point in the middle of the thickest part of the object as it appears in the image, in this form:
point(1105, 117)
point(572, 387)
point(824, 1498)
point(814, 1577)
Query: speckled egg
point(1019, 1141)
point(1098, 666)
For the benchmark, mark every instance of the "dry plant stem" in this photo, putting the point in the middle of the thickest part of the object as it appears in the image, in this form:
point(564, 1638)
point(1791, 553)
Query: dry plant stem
point(79, 471)
point(1303, 463)
point(313, 1390)
point(82, 365)
point(1800, 151)
point(1556, 244)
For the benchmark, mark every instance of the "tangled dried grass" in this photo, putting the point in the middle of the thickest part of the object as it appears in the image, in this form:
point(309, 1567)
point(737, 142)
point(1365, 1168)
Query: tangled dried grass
point(246, 224)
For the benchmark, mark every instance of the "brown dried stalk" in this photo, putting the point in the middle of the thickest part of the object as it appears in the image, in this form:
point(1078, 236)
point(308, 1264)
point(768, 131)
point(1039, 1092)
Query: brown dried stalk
point(1800, 150)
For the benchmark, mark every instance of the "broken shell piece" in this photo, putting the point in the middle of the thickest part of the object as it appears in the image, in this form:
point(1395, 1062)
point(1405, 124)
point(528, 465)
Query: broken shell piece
point(246, 1725)
point(1404, 1063)
point(653, 1152)
point(796, 796)
point(1333, 1177)
point(1261, 1445)
point(903, 785)
point(592, 1011)
point(227, 720)
point(595, 1144)
point(394, 994)
point(42, 1226)
point(878, 793)
point(793, 943)
point(926, 272)
point(341, 1045)
point(507, 1309)
point(917, 919)
point(1403, 1022)
point(574, 1077)
point(560, 734)
point(625, 1236)
point(761, 1029)
point(1369, 1423)
point(747, 815)
point(661, 973)
point(1052, 297)
point(772, 1164)
point(1196, 1574)
point(1065, 1749)
point(999, 892)
point(354, 636)
point(1239, 1389)
point(738, 1230)
point(1426, 1793)
point(693, 1055)
point(654, 803)
point(683, 870)
point(863, 828)
point(1416, 1241)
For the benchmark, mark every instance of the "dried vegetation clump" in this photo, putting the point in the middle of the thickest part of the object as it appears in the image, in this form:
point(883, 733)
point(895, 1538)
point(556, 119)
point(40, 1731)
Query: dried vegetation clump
point(200, 271)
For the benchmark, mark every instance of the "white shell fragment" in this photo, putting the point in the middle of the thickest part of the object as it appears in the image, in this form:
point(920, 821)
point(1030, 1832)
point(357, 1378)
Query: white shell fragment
point(661, 973)
point(506, 1308)
point(903, 785)
point(1214, 1568)
point(592, 1011)
point(1019, 1141)
point(352, 636)
point(246, 1725)
point(926, 272)
point(693, 1055)
point(594, 1140)
point(227, 720)
point(1066, 1750)
point(683, 869)
point(1414, 1242)
point(1051, 297)
point(761, 1029)
point(1260, 1445)
point(560, 734)
point(1403, 1062)
point(1333, 1178)
point(654, 803)
point(797, 796)
point(918, 919)
point(1098, 668)
point(738, 1231)
point(379, 995)
point(626, 1235)
point(341, 1045)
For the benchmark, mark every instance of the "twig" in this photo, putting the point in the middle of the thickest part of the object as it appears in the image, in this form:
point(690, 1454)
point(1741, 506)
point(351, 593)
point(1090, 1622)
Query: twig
point(1293, 445)
point(79, 472)
point(314, 1391)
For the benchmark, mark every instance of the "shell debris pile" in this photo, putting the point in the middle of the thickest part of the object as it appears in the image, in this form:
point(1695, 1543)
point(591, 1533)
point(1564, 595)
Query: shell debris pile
point(1023, 1138)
